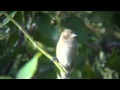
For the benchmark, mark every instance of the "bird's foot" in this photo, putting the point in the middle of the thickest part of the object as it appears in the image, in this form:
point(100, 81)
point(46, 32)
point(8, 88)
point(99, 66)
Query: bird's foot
point(54, 59)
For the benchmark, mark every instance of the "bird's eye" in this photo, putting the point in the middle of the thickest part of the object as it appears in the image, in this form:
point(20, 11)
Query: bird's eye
point(67, 34)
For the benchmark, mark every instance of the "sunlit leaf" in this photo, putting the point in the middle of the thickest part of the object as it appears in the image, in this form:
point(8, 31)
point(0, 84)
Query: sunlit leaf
point(29, 69)
point(7, 19)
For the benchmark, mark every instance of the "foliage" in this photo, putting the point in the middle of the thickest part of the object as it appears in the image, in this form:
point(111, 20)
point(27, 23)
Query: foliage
point(98, 35)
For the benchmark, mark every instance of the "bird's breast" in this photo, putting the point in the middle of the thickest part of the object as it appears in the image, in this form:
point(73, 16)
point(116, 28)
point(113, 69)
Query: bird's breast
point(64, 53)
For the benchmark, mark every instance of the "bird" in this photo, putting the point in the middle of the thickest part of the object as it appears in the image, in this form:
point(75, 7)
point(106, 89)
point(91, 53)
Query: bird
point(66, 50)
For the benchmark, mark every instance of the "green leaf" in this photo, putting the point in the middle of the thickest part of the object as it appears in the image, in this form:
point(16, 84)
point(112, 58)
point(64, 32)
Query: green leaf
point(76, 74)
point(43, 22)
point(12, 40)
point(114, 61)
point(4, 32)
point(29, 69)
point(5, 21)
point(6, 77)
point(1, 12)
point(49, 74)
point(87, 72)
point(116, 34)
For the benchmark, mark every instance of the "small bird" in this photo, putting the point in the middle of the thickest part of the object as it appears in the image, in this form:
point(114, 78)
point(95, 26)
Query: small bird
point(66, 50)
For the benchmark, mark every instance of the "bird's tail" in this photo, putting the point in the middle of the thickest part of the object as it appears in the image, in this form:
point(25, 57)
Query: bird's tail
point(63, 75)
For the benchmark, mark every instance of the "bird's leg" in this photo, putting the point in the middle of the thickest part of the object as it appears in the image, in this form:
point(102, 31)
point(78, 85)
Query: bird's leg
point(65, 76)
point(54, 59)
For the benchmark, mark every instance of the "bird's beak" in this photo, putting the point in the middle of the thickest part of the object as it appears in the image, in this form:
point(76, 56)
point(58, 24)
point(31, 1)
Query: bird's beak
point(73, 35)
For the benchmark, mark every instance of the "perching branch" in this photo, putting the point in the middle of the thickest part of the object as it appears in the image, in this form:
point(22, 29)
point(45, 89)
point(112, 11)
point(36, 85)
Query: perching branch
point(34, 43)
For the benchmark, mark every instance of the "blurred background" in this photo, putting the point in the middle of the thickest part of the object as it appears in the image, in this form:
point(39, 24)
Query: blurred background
point(98, 37)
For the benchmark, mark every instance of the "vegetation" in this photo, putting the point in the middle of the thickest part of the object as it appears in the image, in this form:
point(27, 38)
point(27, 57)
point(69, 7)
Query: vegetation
point(28, 41)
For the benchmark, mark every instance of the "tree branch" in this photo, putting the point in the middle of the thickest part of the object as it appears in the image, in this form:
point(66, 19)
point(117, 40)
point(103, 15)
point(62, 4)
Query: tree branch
point(34, 43)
